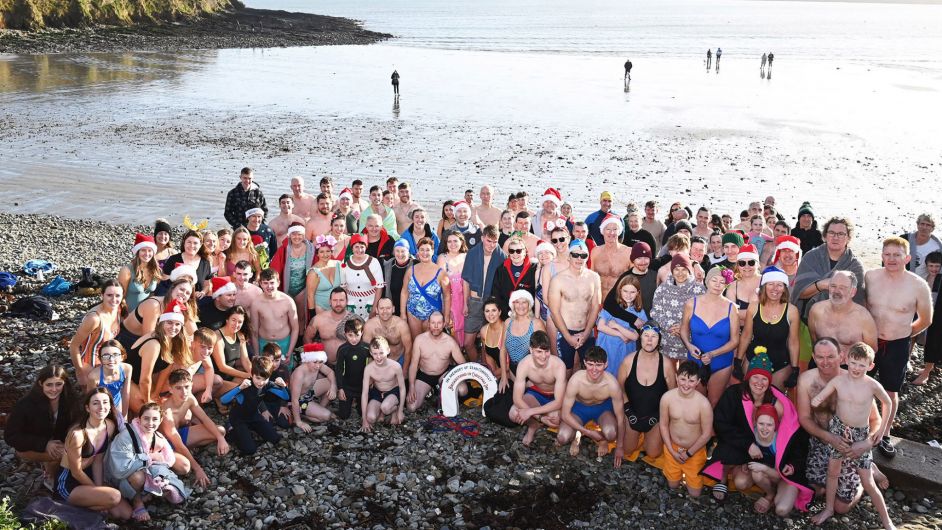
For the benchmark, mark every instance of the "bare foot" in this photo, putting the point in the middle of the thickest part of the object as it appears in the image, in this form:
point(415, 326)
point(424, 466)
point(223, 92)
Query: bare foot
point(574, 446)
point(528, 437)
point(922, 378)
point(882, 482)
point(822, 516)
point(603, 448)
point(762, 505)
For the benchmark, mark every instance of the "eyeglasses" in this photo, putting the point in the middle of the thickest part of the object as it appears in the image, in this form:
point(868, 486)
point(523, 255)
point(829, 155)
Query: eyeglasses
point(747, 263)
point(839, 235)
point(558, 240)
point(110, 356)
point(516, 250)
point(578, 255)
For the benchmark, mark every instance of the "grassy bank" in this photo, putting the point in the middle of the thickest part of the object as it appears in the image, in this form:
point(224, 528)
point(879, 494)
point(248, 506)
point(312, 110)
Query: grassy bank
point(41, 14)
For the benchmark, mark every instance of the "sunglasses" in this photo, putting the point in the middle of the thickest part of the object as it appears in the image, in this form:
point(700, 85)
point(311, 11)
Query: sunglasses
point(578, 255)
point(558, 240)
point(516, 250)
point(747, 263)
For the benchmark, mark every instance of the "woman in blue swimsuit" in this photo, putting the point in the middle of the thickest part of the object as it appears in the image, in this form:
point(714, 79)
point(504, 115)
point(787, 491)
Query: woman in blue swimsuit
point(426, 291)
point(710, 331)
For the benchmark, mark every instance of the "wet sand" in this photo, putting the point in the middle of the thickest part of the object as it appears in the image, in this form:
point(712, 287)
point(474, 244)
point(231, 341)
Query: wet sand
point(131, 137)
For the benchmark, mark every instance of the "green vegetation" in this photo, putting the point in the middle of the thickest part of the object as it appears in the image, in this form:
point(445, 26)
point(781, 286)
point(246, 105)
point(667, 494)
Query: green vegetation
point(40, 14)
point(9, 521)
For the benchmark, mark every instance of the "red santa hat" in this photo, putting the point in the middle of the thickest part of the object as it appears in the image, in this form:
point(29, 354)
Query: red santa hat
point(182, 270)
point(748, 251)
point(787, 243)
point(552, 195)
point(609, 219)
point(314, 353)
point(346, 192)
point(143, 241)
point(173, 312)
point(221, 286)
point(458, 205)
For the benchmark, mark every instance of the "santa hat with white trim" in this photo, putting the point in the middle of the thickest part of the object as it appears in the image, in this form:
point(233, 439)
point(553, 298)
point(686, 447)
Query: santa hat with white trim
point(173, 312)
point(748, 251)
point(787, 243)
point(254, 211)
point(610, 219)
point(552, 195)
point(181, 270)
point(143, 241)
point(346, 192)
point(458, 205)
point(314, 353)
point(221, 286)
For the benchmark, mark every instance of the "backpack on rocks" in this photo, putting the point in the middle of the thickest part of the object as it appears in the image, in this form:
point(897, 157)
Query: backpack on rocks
point(32, 307)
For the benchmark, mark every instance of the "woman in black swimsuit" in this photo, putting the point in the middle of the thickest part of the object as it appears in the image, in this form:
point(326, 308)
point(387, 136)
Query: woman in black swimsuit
point(645, 377)
point(152, 354)
point(492, 335)
point(85, 446)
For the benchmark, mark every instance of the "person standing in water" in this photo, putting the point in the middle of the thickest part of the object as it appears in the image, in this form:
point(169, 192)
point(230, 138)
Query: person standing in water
point(719, 53)
point(771, 56)
point(762, 66)
point(709, 57)
point(628, 66)
point(395, 82)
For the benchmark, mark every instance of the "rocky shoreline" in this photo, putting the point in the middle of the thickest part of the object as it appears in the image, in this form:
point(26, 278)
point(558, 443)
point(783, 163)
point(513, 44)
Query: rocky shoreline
point(410, 477)
point(236, 28)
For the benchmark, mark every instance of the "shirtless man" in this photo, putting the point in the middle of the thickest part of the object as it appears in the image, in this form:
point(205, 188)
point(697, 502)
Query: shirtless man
point(393, 329)
point(307, 386)
point(574, 300)
point(522, 225)
point(404, 207)
point(357, 202)
point(304, 203)
point(686, 426)
point(328, 325)
point(432, 356)
point(319, 222)
point(383, 384)
point(901, 305)
point(283, 220)
point(593, 395)
point(840, 317)
point(246, 292)
point(540, 385)
point(178, 425)
point(274, 316)
point(815, 421)
point(486, 213)
point(611, 258)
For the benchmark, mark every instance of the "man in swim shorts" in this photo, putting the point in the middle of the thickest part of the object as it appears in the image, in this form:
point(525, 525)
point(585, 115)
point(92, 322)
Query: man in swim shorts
point(432, 355)
point(901, 305)
point(575, 299)
point(274, 316)
point(540, 384)
point(593, 395)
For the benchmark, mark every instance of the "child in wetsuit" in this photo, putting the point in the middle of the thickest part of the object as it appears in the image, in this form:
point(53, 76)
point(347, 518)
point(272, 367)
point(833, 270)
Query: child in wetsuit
point(248, 412)
point(277, 407)
point(352, 357)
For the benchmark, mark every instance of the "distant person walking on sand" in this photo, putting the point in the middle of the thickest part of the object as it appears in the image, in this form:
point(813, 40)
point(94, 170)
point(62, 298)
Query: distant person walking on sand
point(771, 56)
point(709, 57)
point(628, 66)
point(395, 82)
point(762, 66)
point(719, 53)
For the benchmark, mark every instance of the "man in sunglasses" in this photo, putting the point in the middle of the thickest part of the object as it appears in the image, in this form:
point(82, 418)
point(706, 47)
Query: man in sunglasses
point(575, 298)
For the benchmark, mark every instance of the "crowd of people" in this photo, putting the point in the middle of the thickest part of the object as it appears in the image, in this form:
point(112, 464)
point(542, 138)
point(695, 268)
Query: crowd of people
point(686, 337)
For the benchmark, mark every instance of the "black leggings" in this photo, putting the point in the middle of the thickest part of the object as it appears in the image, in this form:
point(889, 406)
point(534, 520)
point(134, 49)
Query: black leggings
point(241, 434)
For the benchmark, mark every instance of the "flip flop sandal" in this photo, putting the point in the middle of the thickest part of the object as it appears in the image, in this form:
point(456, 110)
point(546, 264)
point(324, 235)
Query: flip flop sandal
point(721, 489)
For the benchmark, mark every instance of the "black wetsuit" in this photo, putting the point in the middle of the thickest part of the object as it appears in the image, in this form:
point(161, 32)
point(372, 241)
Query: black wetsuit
point(351, 362)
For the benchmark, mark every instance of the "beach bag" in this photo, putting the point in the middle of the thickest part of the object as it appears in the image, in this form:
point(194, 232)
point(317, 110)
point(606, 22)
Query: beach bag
point(497, 409)
point(32, 307)
point(7, 280)
point(57, 287)
point(44, 509)
point(37, 266)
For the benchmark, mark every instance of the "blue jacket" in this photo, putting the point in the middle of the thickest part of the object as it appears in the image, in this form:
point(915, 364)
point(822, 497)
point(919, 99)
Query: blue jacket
point(250, 401)
point(473, 271)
